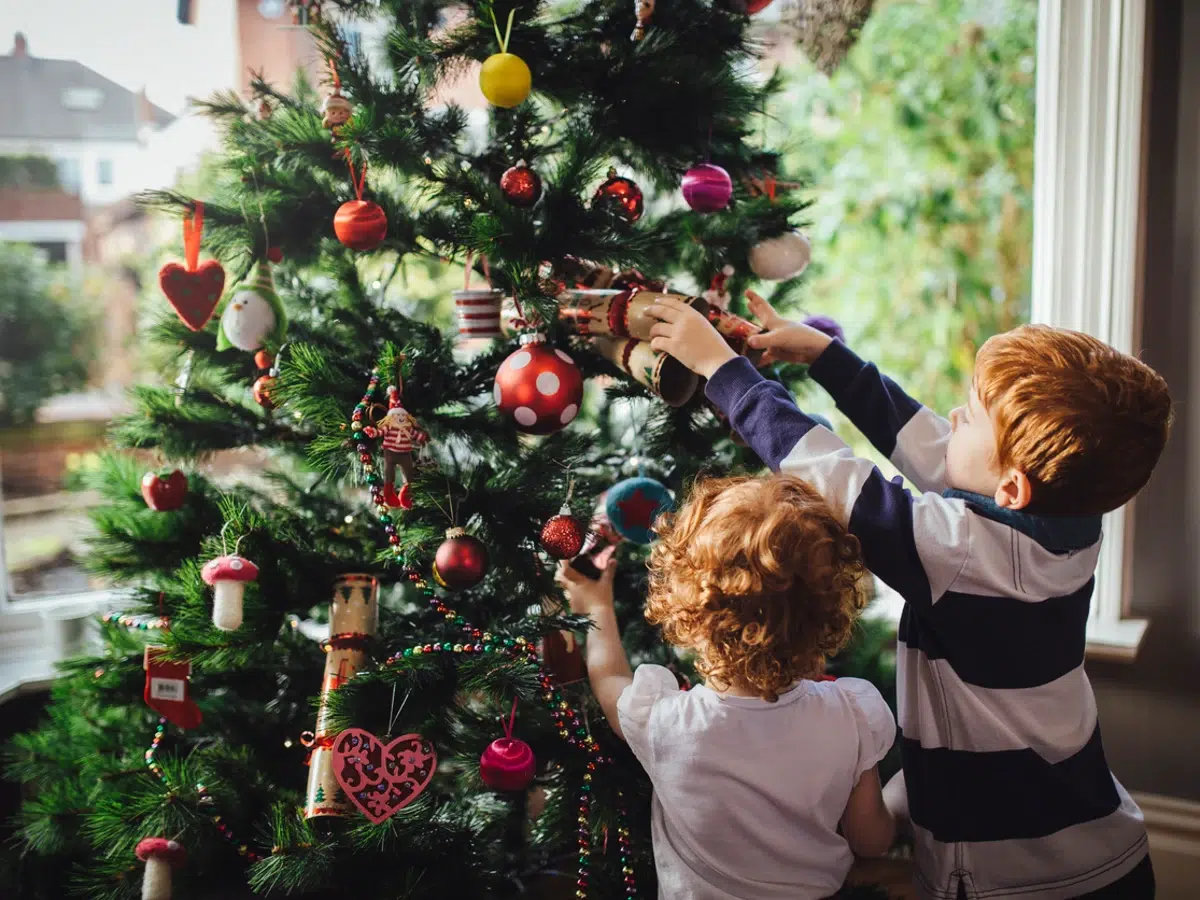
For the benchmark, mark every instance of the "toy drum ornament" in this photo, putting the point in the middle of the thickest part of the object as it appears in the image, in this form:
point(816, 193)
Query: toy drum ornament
point(478, 313)
point(353, 621)
point(664, 375)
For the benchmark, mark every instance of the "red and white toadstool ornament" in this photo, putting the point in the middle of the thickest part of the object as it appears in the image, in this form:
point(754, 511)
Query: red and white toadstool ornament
point(160, 856)
point(228, 576)
point(540, 387)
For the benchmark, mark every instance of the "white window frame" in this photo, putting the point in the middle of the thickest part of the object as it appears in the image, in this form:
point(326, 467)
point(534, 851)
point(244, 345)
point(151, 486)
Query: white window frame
point(1088, 231)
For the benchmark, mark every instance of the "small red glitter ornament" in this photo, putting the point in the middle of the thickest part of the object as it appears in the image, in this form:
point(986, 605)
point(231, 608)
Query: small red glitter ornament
point(521, 185)
point(360, 224)
point(623, 193)
point(262, 391)
point(461, 561)
point(756, 6)
point(539, 387)
point(563, 535)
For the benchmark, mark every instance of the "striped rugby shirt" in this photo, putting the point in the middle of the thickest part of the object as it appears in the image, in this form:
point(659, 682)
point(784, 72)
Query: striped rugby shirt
point(1009, 791)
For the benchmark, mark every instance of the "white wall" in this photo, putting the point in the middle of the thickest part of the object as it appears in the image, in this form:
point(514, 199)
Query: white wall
point(125, 158)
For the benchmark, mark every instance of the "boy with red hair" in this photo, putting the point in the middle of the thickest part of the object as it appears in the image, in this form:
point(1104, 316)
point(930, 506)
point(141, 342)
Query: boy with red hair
point(1005, 781)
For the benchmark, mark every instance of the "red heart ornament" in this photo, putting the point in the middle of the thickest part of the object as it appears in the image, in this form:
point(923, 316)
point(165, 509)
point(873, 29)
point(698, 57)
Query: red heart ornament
point(381, 779)
point(164, 493)
point(194, 295)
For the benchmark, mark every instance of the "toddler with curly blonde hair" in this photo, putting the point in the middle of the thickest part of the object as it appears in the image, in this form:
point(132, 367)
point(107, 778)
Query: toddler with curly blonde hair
point(765, 778)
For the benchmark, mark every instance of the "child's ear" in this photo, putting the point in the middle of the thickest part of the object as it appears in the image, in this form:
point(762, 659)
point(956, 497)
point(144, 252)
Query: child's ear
point(1014, 490)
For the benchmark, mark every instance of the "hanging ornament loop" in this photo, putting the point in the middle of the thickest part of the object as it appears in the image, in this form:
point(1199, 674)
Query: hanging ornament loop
point(193, 227)
point(357, 178)
point(502, 41)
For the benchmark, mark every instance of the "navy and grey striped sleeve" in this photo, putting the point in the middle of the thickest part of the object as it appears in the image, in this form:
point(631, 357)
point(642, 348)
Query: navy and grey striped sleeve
point(912, 436)
point(917, 545)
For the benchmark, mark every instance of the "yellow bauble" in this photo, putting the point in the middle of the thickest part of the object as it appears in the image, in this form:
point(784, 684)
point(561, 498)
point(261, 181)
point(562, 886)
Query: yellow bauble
point(505, 80)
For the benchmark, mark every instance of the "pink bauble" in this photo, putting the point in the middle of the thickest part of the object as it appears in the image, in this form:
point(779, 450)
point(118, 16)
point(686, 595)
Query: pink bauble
point(707, 188)
point(507, 765)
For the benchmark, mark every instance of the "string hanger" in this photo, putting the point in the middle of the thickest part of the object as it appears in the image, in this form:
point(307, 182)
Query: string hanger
point(237, 545)
point(193, 226)
point(393, 713)
point(502, 41)
point(359, 178)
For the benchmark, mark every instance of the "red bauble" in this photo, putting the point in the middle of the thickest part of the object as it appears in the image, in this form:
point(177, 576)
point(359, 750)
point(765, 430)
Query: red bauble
point(263, 359)
point(756, 6)
point(360, 224)
point(539, 387)
point(623, 193)
point(262, 391)
point(562, 536)
point(275, 254)
point(461, 561)
point(507, 765)
point(521, 185)
point(164, 493)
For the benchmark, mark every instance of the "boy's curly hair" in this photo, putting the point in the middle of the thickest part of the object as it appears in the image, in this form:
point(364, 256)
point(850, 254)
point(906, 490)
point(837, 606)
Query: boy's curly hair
point(757, 576)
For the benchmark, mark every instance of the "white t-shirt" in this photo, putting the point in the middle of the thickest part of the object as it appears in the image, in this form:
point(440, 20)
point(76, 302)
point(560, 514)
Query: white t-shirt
point(748, 794)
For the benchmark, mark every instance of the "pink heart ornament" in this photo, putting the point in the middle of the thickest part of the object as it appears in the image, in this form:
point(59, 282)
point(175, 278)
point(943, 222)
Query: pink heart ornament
point(381, 779)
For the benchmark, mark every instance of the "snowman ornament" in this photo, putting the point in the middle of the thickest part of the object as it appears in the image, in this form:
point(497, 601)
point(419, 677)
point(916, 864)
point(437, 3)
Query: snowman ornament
point(254, 317)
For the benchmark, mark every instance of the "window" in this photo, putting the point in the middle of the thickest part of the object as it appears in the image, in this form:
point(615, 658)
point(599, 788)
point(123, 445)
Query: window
point(82, 98)
point(104, 171)
point(70, 176)
point(353, 38)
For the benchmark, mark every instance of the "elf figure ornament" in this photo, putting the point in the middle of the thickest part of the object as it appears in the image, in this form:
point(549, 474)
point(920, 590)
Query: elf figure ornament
point(401, 437)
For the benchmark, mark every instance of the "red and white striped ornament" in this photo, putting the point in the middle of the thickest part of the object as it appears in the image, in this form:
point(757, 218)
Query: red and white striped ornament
point(478, 312)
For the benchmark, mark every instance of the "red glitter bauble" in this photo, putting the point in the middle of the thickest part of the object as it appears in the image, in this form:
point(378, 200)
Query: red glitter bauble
point(539, 387)
point(756, 6)
point(461, 561)
point(360, 224)
point(623, 193)
point(507, 765)
point(262, 392)
point(562, 537)
point(521, 185)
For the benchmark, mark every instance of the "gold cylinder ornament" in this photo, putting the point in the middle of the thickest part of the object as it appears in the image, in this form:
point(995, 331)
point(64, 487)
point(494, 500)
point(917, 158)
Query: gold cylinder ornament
point(353, 622)
point(664, 375)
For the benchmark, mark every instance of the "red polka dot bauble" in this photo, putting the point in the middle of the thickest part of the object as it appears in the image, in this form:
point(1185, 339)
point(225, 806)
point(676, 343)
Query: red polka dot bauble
point(707, 188)
point(461, 561)
point(507, 765)
point(521, 185)
point(360, 224)
point(539, 387)
point(562, 536)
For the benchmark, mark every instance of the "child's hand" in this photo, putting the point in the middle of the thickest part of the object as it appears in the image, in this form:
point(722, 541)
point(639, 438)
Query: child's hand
point(583, 594)
point(687, 335)
point(784, 341)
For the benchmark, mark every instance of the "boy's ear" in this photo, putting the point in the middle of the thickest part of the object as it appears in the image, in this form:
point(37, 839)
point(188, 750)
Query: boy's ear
point(1014, 490)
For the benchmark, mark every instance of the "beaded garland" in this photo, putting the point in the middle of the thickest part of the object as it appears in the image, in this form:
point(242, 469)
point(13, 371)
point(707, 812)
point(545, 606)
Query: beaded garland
point(571, 727)
point(206, 799)
point(125, 620)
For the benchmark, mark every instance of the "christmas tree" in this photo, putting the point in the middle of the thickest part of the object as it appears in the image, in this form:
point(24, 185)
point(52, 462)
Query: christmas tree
point(353, 674)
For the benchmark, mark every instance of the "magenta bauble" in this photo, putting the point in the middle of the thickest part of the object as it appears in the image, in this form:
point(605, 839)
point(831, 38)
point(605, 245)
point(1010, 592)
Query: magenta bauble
point(707, 188)
point(507, 765)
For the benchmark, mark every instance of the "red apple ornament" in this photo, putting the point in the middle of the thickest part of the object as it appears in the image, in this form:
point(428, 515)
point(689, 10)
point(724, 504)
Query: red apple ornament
point(162, 494)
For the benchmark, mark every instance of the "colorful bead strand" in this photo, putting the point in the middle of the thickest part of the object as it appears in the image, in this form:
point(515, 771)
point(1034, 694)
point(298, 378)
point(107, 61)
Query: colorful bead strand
point(124, 620)
point(205, 798)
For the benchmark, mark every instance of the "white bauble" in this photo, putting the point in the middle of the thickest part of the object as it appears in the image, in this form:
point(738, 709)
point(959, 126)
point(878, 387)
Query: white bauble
point(248, 320)
point(781, 258)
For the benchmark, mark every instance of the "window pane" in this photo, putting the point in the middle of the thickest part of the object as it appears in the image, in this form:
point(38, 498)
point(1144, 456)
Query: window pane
point(104, 171)
point(69, 175)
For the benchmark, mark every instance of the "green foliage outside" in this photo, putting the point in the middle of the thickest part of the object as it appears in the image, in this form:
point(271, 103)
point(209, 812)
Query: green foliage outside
point(920, 154)
point(47, 337)
point(35, 172)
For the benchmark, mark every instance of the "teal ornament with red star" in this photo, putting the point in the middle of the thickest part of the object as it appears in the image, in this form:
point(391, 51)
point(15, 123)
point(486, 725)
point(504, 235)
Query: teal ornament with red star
point(634, 504)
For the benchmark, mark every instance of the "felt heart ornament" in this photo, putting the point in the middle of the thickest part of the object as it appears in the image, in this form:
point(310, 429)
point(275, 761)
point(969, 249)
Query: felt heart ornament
point(381, 779)
point(193, 294)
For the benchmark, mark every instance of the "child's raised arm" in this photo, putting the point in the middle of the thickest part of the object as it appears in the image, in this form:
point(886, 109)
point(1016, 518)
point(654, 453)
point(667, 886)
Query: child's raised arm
point(912, 436)
point(607, 665)
point(917, 545)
